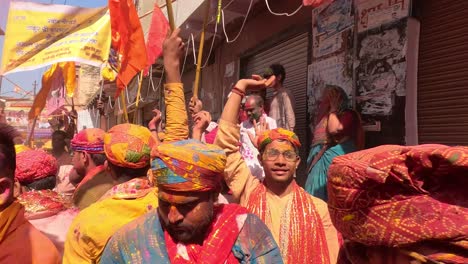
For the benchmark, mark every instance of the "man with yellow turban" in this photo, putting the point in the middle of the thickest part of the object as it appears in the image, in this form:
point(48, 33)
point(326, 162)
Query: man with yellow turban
point(88, 161)
point(127, 148)
point(20, 242)
point(300, 223)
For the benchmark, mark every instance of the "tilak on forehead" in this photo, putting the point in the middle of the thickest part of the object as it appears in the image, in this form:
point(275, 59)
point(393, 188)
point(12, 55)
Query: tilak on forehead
point(188, 166)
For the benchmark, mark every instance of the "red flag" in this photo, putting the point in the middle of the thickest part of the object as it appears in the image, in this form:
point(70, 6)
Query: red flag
point(128, 40)
point(157, 34)
point(313, 3)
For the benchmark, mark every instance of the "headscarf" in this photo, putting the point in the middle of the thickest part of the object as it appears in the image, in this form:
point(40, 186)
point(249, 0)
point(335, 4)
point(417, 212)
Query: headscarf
point(129, 146)
point(89, 140)
point(33, 165)
point(269, 136)
point(397, 196)
point(21, 148)
point(188, 166)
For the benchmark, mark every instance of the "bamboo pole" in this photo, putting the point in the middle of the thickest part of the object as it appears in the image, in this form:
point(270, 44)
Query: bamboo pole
point(200, 50)
point(170, 14)
point(124, 106)
point(140, 81)
point(31, 133)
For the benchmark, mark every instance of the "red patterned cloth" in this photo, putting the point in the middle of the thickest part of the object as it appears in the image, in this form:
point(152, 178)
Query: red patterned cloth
point(397, 196)
point(33, 165)
point(219, 240)
point(89, 140)
point(41, 204)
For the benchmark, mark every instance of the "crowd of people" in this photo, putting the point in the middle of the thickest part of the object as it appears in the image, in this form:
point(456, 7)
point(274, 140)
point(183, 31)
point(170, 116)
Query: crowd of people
point(225, 192)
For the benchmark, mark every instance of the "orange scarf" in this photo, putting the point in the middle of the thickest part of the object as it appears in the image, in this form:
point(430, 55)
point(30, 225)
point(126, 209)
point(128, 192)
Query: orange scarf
point(302, 236)
point(7, 217)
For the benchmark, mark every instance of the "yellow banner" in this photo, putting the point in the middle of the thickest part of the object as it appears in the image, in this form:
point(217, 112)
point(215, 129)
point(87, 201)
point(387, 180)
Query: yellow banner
point(41, 34)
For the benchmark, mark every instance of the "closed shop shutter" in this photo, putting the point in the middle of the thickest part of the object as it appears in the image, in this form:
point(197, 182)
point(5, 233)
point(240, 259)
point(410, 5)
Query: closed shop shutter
point(443, 73)
point(292, 54)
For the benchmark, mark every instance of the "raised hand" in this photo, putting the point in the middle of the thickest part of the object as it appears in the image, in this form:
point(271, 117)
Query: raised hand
point(195, 106)
point(201, 120)
point(260, 127)
point(154, 123)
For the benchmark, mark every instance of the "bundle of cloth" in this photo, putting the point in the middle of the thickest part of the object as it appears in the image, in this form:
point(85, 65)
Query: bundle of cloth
point(400, 204)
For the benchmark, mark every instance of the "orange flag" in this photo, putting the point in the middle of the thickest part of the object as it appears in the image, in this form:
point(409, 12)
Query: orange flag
point(128, 40)
point(69, 75)
point(41, 97)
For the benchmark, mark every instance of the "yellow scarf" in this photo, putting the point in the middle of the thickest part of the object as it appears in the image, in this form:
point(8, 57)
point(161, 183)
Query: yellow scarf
point(7, 217)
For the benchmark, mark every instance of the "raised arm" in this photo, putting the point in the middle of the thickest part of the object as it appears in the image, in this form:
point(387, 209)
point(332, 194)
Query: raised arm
point(176, 113)
point(237, 175)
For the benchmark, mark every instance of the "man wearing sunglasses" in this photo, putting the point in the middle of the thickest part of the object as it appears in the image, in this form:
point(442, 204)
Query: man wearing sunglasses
point(299, 222)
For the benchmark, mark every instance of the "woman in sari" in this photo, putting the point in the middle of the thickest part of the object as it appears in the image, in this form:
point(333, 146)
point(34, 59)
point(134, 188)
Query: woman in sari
point(338, 131)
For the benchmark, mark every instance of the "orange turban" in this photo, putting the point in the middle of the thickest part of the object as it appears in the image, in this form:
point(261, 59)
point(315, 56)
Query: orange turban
point(188, 166)
point(89, 140)
point(33, 165)
point(129, 146)
point(269, 136)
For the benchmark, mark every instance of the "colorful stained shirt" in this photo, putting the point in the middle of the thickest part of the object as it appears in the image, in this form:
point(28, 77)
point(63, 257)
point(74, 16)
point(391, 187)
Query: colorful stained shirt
point(236, 237)
point(245, 187)
point(92, 228)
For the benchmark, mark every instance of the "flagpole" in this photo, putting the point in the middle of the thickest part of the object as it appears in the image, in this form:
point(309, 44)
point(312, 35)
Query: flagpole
point(31, 133)
point(140, 81)
point(124, 106)
point(170, 14)
point(200, 49)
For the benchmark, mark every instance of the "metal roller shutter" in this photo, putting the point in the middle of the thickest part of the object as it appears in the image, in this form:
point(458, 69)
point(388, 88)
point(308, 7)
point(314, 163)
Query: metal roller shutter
point(292, 54)
point(443, 73)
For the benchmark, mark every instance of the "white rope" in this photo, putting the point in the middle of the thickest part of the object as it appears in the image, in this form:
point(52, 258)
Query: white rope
point(118, 103)
point(185, 58)
point(242, 27)
point(110, 103)
point(282, 14)
point(193, 49)
point(127, 95)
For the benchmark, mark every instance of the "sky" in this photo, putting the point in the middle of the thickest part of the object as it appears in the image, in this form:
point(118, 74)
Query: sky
point(26, 79)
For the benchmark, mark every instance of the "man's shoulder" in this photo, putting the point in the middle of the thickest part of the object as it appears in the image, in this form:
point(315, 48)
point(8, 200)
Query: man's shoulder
point(141, 225)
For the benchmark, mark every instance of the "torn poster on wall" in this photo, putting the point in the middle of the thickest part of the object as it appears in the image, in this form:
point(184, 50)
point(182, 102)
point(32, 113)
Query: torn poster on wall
point(374, 13)
point(381, 68)
point(329, 20)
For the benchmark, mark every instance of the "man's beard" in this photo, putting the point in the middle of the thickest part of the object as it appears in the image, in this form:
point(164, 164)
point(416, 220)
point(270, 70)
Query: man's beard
point(186, 234)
